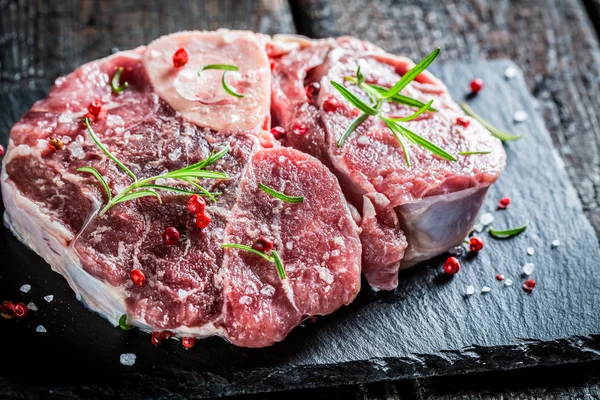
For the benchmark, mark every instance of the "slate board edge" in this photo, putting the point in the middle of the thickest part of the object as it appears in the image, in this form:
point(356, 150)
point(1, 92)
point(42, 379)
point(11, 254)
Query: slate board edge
point(528, 353)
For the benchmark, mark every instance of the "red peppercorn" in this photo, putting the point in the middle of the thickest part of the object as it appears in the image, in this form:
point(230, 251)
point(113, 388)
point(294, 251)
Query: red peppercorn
point(170, 236)
point(180, 58)
point(21, 310)
point(299, 128)
point(475, 244)
point(203, 220)
point(158, 337)
point(137, 277)
point(7, 310)
point(272, 63)
point(1, 150)
point(263, 244)
point(504, 202)
point(278, 132)
point(500, 277)
point(451, 266)
point(463, 122)
point(91, 117)
point(331, 104)
point(476, 85)
point(55, 144)
point(95, 107)
point(312, 89)
point(188, 342)
point(196, 204)
point(529, 284)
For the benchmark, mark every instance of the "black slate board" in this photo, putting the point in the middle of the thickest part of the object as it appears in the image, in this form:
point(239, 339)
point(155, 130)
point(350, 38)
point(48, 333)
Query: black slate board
point(426, 327)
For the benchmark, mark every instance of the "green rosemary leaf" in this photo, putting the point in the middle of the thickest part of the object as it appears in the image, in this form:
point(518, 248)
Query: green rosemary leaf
point(224, 68)
point(105, 150)
point(468, 153)
point(213, 158)
point(137, 195)
point(401, 99)
point(114, 83)
point(196, 184)
point(195, 174)
point(360, 79)
point(100, 178)
point(123, 323)
point(281, 196)
point(421, 141)
point(415, 115)
point(508, 233)
point(279, 266)
point(355, 101)
point(494, 131)
point(247, 248)
point(393, 128)
point(352, 127)
point(172, 189)
point(412, 74)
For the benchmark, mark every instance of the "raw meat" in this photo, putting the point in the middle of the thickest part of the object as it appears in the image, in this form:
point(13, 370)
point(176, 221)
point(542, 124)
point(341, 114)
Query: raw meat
point(410, 214)
point(194, 288)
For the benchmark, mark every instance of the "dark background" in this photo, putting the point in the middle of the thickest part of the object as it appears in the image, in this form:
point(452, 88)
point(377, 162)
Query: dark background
point(555, 42)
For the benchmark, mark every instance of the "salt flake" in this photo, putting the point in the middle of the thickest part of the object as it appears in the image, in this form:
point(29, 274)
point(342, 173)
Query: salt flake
point(510, 72)
point(25, 288)
point(528, 269)
point(519, 116)
point(530, 251)
point(49, 298)
point(486, 219)
point(485, 289)
point(555, 243)
point(41, 329)
point(508, 282)
point(182, 293)
point(32, 306)
point(470, 290)
point(478, 227)
point(127, 359)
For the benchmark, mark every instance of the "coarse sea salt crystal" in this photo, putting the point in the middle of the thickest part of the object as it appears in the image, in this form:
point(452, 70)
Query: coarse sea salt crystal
point(470, 290)
point(519, 116)
point(25, 288)
point(486, 219)
point(528, 269)
point(485, 289)
point(555, 243)
point(175, 154)
point(41, 329)
point(530, 251)
point(127, 359)
point(457, 251)
point(49, 298)
point(478, 227)
point(363, 140)
point(508, 282)
point(32, 306)
point(510, 72)
point(181, 293)
point(268, 290)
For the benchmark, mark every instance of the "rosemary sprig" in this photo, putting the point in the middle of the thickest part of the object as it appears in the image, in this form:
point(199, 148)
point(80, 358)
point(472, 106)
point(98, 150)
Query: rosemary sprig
point(224, 68)
point(468, 153)
point(146, 187)
point(274, 259)
point(116, 79)
point(123, 323)
point(508, 233)
point(280, 196)
point(494, 131)
point(378, 95)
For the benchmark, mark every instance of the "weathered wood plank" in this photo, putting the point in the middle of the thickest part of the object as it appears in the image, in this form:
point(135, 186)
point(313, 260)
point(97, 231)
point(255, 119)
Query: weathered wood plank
point(552, 40)
point(40, 40)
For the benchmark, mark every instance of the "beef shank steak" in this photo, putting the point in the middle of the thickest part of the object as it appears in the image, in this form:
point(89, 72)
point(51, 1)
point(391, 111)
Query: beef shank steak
point(409, 213)
point(161, 123)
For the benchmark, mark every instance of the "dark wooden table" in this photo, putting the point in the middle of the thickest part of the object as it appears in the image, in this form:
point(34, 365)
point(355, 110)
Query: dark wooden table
point(556, 43)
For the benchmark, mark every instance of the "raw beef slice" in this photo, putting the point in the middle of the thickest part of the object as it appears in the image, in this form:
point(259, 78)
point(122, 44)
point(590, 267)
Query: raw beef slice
point(409, 214)
point(160, 123)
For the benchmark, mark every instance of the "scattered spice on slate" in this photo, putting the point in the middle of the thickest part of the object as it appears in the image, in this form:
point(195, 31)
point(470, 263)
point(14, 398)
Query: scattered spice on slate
point(7, 309)
point(188, 342)
point(510, 72)
point(463, 122)
point(528, 269)
point(475, 244)
point(470, 290)
point(49, 298)
point(485, 289)
point(21, 310)
point(508, 282)
point(519, 116)
point(451, 266)
point(476, 85)
point(25, 288)
point(500, 277)
point(555, 243)
point(530, 251)
point(503, 203)
point(31, 305)
point(41, 329)
point(127, 359)
point(529, 284)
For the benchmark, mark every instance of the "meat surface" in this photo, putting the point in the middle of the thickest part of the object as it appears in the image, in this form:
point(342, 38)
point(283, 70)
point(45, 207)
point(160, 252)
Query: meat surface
point(410, 214)
point(194, 288)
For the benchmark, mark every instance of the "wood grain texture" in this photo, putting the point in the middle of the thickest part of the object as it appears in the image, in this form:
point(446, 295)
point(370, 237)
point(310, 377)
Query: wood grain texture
point(41, 40)
point(553, 41)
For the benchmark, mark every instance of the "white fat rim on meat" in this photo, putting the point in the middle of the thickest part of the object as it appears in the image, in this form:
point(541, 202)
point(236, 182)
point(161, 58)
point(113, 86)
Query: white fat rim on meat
point(32, 227)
